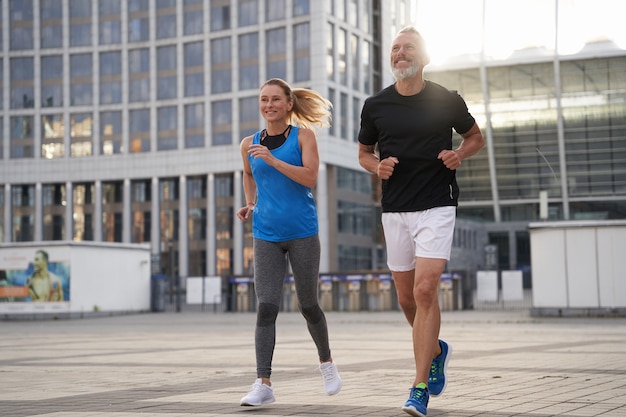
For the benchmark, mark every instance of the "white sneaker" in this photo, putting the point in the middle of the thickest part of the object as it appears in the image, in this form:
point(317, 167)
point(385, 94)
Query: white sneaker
point(332, 380)
point(259, 394)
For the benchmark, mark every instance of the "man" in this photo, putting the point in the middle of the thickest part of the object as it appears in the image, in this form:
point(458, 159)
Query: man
point(43, 285)
point(411, 122)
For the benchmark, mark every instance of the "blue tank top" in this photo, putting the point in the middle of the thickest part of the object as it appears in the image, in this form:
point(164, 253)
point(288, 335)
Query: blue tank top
point(284, 210)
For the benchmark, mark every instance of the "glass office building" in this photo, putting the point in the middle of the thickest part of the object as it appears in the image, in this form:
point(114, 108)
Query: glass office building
point(121, 120)
point(553, 111)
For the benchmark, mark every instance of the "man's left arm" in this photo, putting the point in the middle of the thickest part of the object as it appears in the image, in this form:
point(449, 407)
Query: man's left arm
point(473, 141)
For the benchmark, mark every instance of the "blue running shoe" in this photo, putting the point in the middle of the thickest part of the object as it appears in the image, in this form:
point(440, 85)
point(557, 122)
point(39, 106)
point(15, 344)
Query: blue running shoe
point(417, 403)
point(437, 378)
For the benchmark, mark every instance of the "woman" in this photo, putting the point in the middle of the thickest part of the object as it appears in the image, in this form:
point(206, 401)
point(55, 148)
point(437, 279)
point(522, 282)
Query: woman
point(281, 163)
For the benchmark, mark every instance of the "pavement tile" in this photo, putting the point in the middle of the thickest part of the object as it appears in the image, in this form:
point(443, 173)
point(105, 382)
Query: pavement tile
point(191, 364)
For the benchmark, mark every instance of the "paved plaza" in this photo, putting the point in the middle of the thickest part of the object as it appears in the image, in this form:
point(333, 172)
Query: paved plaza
point(192, 364)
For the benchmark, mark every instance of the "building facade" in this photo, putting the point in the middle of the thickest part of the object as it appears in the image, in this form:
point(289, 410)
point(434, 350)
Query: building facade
point(555, 125)
point(121, 121)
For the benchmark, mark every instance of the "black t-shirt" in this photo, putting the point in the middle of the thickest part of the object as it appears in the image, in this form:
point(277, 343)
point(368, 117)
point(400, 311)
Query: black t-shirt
point(415, 129)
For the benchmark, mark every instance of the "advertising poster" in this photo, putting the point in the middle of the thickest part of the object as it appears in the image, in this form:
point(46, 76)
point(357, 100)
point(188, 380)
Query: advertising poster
point(34, 279)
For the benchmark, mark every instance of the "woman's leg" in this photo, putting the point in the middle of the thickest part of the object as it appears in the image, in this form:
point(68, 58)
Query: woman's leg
point(270, 266)
point(304, 256)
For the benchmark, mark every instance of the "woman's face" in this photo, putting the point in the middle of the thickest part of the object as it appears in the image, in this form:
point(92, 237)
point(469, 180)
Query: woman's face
point(273, 104)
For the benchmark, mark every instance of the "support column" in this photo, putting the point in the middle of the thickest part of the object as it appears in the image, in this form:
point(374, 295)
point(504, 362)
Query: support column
point(183, 231)
point(238, 226)
point(155, 226)
point(97, 212)
point(126, 212)
point(8, 214)
point(211, 261)
point(38, 213)
point(69, 211)
point(322, 215)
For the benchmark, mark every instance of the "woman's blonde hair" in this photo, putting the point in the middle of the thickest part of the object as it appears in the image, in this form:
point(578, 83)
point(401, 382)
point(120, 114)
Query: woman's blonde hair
point(309, 108)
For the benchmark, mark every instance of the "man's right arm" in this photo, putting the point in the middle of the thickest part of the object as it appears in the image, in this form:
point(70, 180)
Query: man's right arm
point(368, 158)
point(370, 161)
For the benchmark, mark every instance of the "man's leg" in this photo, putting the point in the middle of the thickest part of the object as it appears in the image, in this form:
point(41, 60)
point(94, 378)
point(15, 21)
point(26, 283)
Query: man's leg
point(427, 320)
point(407, 298)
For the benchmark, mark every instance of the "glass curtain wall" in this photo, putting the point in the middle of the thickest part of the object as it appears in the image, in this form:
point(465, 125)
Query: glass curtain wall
point(23, 212)
point(196, 225)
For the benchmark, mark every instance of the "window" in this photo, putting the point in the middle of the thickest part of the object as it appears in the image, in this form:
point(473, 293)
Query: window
point(330, 52)
point(83, 216)
point(139, 130)
point(224, 221)
point(21, 83)
point(220, 15)
point(23, 212)
point(52, 135)
point(138, 20)
point(22, 140)
point(112, 209)
point(51, 14)
point(166, 72)
point(80, 23)
point(141, 197)
point(249, 61)
point(302, 70)
point(354, 60)
point(248, 116)
point(109, 22)
point(81, 134)
point(54, 202)
point(194, 125)
point(353, 13)
point(197, 224)
point(110, 77)
point(276, 50)
point(194, 69)
point(344, 119)
point(332, 98)
point(21, 24)
point(221, 122)
point(193, 17)
point(169, 202)
point(365, 20)
point(342, 61)
point(139, 75)
point(300, 7)
point(166, 19)
point(366, 68)
point(275, 10)
point(167, 125)
point(248, 12)
point(356, 118)
point(111, 132)
point(220, 65)
point(82, 79)
point(52, 81)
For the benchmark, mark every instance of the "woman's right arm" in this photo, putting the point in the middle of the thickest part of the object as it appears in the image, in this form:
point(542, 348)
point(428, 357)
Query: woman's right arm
point(249, 185)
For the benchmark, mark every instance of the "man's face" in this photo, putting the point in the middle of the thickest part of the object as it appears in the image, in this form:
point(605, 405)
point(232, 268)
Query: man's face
point(408, 56)
point(39, 262)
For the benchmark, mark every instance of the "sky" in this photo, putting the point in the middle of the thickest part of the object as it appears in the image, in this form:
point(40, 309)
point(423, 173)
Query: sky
point(455, 27)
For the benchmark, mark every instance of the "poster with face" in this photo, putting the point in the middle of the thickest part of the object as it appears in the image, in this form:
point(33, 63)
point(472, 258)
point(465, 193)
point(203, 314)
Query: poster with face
point(38, 276)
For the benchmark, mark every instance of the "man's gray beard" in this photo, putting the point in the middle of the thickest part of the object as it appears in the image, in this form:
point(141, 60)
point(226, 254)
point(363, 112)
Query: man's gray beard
point(400, 75)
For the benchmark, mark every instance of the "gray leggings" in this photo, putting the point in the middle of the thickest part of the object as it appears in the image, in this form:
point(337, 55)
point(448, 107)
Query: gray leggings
point(270, 269)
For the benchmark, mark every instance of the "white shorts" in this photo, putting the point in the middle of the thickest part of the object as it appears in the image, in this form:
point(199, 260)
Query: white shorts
point(427, 234)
